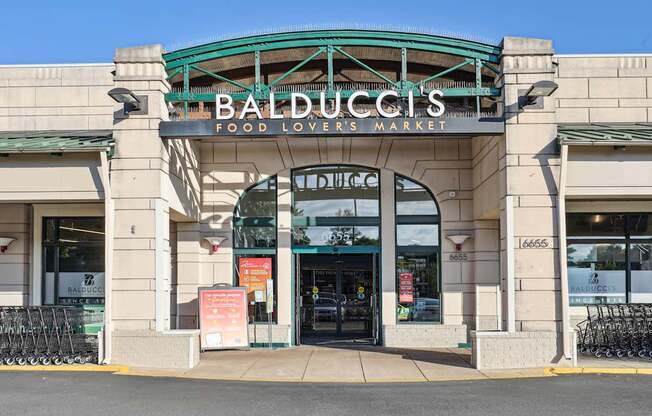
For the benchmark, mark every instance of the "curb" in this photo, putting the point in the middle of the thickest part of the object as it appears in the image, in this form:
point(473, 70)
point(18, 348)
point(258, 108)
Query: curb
point(598, 370)
point(88, 368)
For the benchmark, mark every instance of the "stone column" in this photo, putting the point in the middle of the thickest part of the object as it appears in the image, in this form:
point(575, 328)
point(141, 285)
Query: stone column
point(388, 256)
point(141, 191)
point(284, 289)
point(529, 166)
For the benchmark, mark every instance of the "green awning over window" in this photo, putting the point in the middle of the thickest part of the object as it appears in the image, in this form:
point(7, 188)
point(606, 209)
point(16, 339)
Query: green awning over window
point(620, 134)
point(56, 141)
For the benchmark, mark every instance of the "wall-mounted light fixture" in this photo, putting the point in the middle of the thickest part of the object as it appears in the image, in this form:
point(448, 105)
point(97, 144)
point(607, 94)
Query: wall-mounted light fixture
point(458, 238)
point(133, 104)
point(5, 242)
point(215, 242)
point(531, 97)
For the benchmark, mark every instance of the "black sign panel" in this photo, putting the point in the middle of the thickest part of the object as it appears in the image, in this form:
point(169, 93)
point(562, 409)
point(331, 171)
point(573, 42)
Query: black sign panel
point(332, 127)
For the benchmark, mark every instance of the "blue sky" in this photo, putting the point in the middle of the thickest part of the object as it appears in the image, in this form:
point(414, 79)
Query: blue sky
point(61, 31)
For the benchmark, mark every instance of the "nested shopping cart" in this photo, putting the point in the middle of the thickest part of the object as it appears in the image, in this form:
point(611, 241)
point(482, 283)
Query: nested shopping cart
point(47, 335)
point(617, 330)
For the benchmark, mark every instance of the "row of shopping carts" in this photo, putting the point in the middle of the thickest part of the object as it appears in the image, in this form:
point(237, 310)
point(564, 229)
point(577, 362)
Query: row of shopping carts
point(618, 330)
point(46, 335)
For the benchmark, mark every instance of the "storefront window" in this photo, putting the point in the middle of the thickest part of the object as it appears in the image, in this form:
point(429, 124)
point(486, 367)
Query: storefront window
point(609, 258)
point(640, 260)
point(254, 237)
point(73, 253)
point(255, 217)
point(596, 273)
point(335, 206)
point(417, 253)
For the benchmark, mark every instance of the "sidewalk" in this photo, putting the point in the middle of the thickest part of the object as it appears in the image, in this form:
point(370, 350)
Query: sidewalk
point(344, 364)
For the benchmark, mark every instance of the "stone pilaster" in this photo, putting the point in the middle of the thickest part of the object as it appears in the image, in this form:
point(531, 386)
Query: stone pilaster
point(141, 287)
point(529, 170)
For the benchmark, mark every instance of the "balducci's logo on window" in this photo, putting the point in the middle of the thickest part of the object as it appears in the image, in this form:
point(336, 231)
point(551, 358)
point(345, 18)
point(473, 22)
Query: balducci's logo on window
point(89, 279)
point(594, 279)
point(301, 106)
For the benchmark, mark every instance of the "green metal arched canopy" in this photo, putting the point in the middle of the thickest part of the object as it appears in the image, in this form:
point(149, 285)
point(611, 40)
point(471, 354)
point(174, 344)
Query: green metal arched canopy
point(327, 43)
point(430, 43)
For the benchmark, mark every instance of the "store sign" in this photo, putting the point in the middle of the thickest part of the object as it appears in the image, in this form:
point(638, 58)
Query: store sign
point(79, 287)
point(587, 285)
point(330, 127)
point(301, 106)
point(405, 288)
point(306, 118)
point(223, 320)
point(254, 274)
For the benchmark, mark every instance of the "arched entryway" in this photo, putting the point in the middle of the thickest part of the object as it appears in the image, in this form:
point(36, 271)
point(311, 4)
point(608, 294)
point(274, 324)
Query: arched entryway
point(336, 244)
point(344, 220)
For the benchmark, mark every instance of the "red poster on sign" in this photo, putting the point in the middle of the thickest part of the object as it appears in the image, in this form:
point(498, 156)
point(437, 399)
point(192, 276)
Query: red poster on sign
point(254, 273)
point(223, 318)
point(405, 288)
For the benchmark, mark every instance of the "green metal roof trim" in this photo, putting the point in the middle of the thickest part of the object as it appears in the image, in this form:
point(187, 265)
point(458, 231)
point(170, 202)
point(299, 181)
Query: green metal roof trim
point(56, 141)
point(350, 37)
point(605, 134)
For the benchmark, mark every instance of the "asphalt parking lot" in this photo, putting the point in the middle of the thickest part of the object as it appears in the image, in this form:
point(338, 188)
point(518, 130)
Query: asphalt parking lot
point(54, 394)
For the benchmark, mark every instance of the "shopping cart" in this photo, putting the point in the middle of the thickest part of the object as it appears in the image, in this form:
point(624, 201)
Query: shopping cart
point(618, 330)
point(46, 335)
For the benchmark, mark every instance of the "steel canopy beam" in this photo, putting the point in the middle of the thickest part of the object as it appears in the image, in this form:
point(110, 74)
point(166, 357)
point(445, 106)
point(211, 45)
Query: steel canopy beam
point(368, 37)
point(474, 53)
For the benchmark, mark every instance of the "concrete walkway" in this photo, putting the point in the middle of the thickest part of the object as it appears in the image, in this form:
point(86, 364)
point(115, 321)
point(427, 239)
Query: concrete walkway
point(352, 364)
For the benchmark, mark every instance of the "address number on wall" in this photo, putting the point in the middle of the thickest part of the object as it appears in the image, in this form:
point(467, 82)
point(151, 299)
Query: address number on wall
point(535, 243)
point(458, 257)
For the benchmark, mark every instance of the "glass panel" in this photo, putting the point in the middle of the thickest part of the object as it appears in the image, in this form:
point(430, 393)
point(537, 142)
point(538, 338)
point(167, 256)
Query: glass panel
point(413, 199)
point(596, 273)
point(641, 265)
point(319, 304)
point(417, 235)
point(49, 273)
point(254, 237)
point(75, 230)
point(81, 274)
point(356, 290)
point(595, 225)
point(335, 236)
point(640, 225)
point(259, 201)
point(417, 285)
point(335, 191)
point(257, 306)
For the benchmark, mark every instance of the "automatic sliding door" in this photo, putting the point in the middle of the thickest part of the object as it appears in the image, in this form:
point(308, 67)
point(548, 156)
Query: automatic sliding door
point(355, 302)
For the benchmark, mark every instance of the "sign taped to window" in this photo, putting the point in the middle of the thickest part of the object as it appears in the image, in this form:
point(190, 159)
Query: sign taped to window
point(406, 287)
point(254, 273)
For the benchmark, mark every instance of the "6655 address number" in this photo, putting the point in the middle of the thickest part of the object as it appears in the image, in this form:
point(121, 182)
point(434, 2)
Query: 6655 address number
point(535, 243)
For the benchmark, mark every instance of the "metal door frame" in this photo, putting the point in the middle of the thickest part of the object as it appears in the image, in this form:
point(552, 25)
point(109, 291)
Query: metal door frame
point(375, 298)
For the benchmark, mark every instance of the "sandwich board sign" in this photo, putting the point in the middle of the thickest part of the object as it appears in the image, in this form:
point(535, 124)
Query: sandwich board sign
point(223, 320)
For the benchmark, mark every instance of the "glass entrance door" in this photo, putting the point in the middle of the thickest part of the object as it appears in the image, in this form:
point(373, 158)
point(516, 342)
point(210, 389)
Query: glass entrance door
point(337, 297)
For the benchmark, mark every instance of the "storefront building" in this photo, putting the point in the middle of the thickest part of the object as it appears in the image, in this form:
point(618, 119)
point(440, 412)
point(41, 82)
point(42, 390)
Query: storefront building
point(400, 189)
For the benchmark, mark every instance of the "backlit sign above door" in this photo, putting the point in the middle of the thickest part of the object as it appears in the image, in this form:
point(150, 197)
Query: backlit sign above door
point(301, 106)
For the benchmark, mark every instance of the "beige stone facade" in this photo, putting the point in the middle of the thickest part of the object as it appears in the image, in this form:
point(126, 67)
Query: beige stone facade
point(160, 199)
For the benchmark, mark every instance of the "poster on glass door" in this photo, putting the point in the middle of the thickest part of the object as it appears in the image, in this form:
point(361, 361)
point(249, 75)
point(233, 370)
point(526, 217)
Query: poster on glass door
point(406, 287)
